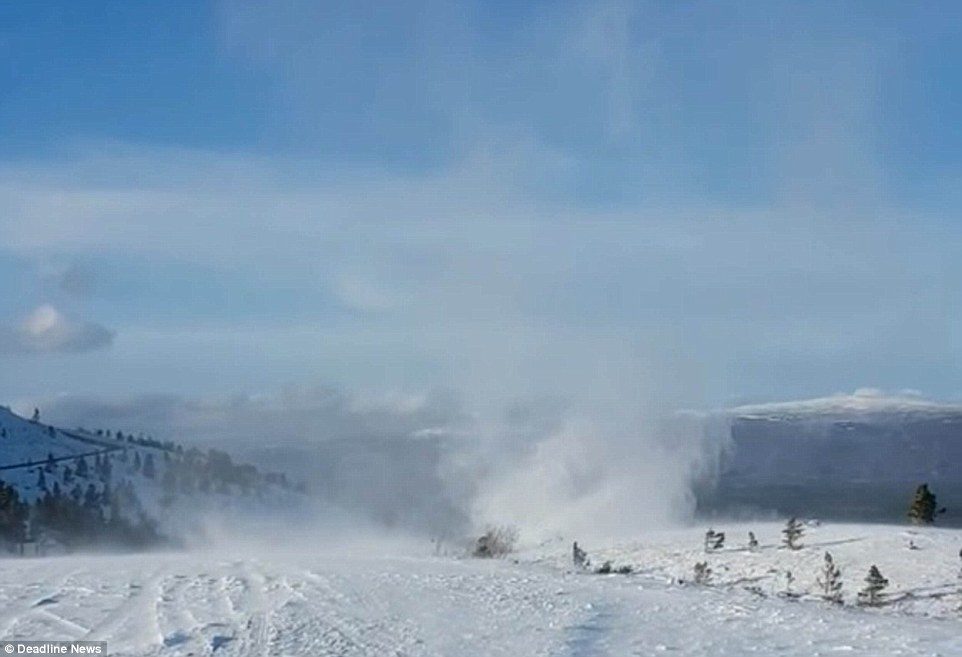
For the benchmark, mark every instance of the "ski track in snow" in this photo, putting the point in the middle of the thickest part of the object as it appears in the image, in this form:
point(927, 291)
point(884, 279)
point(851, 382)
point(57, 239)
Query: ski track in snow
point(379, 605)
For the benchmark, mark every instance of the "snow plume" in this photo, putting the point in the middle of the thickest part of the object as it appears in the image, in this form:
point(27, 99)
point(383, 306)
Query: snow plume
point(376, 458)
point(425, 464)
point(583, 478)
point(308, 525)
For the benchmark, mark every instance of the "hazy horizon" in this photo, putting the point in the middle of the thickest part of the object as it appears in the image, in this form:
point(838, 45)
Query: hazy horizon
point(538, 228)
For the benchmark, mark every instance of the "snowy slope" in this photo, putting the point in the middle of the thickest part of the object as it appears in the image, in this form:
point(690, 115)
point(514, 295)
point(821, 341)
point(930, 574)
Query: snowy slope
point(922, 563)
point(376, 602)
point(182, 489)
point(25, 442)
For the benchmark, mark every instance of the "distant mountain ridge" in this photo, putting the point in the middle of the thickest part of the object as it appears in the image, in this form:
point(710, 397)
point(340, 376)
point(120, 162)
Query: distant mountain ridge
point(848, 456)
point(861, 404)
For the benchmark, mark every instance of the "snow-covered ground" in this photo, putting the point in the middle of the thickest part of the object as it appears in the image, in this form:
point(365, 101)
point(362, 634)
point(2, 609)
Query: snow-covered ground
point(384, 601)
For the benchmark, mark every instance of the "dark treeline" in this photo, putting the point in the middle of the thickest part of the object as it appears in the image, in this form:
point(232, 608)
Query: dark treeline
point(96, 500)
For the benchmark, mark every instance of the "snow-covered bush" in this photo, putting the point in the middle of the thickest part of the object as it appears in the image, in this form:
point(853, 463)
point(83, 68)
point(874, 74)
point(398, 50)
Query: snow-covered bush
point(702, 573)
point(496, 542)
point(607, 568)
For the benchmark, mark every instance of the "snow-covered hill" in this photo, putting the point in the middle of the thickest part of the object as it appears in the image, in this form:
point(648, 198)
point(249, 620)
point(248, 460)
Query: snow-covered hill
point(26, 445)
point(375, 600)
point(77, 486)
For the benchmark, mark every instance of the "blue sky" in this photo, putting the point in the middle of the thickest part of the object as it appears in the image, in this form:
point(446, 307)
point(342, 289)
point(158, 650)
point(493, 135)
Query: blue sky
point(617, 204)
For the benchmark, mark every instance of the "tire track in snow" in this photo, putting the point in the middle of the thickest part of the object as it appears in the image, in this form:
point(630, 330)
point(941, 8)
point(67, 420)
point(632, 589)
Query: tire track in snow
point(135, 622)
point(339, 632)
point(202, 618)
point(589, 638)
point(79, 630)
point(176, 622)
point(255, 640)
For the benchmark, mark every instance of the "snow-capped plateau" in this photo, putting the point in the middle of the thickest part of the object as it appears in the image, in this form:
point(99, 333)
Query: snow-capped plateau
point(861, 403)
point(846, 457)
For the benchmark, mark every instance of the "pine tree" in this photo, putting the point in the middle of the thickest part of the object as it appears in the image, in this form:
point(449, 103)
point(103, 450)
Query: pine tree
point(714, 540)
point(752, 542)
point(41, 481)
point(871, 595)
point(12, 514)
point(831, 581)
point(792, 532)
point(91, 498)
point(719, 541)
point(149, 469)
point(923, 508)
point(579, 556)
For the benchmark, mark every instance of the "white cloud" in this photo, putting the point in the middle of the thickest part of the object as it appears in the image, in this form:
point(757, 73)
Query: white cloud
point(296, 414)
point(47, 330)
point(467, 275)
